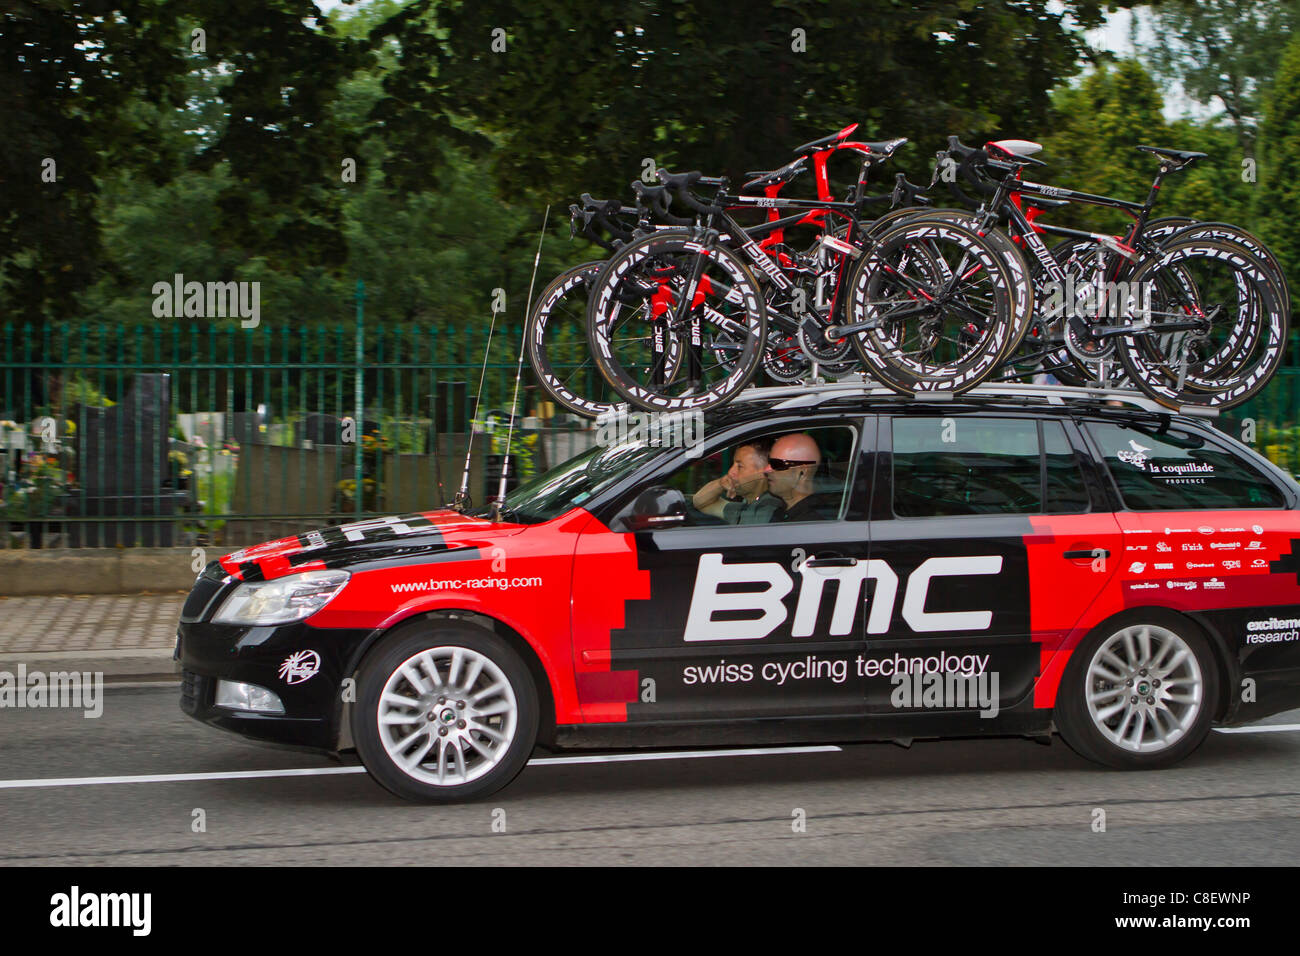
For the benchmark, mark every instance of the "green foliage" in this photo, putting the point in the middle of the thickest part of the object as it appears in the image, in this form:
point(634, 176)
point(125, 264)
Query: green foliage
point(1279, 198)
point(584, 92)
point(1223, 53)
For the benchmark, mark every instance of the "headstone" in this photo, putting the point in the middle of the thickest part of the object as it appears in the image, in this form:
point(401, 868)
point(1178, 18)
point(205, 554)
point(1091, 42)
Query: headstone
point(449, 407)
point(248, 428)
point(122, 469)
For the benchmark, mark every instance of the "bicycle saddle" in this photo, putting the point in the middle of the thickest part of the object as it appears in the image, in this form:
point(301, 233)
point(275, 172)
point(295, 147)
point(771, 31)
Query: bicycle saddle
point(833, 138)
point(884, 147)
point(1018, 147)
point(1014, 151)
point(770, 177)
point(1179, 157)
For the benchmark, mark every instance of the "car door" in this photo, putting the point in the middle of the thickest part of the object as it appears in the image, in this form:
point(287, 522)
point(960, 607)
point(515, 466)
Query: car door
point(737, 620)
point(985, 566)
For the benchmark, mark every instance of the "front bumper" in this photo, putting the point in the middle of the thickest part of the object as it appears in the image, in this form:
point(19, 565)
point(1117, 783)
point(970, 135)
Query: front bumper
point(259, 655)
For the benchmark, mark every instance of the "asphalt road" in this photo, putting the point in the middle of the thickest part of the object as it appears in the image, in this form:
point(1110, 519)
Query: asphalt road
point(1005, 801)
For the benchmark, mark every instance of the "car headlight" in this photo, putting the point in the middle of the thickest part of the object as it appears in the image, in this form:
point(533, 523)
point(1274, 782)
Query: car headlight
point(282, 601)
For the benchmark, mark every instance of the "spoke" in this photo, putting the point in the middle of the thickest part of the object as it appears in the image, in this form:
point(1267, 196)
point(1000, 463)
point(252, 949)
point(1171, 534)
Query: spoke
point(414, 679)
point(456, 656)
point(400, 701)
point(478, 745)
point(487, 692)
point(1130, 648)
point(414, 760)
point(442, 759)
point(1140, 731)
point(1159, 728)
point(1182, 655)
point(458, 757)
point(1109, 655)
point(1106, 713)
point(393, 719)
point(491, 734)
point(503, 707)
point(1157, 662)
point(475, 668)
point(1121, 731)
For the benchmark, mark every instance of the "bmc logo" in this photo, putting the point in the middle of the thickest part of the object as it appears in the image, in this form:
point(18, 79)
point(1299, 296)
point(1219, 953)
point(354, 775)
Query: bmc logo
point(709, 597)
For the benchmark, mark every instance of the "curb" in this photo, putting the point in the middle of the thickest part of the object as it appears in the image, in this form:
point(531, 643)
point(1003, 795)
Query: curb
point(117, 666)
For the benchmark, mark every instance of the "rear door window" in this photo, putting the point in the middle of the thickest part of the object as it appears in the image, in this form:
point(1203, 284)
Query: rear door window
point(1172, 469)
point(969, 465)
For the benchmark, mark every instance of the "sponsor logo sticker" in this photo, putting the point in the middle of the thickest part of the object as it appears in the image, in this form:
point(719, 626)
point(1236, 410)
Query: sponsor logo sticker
point(300, 666)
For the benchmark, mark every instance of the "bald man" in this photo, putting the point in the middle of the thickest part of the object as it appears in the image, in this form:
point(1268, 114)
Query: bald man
point(790, 468)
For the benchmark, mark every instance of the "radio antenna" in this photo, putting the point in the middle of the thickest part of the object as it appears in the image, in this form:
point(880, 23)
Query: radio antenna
point(463, 500)
point(519, 369)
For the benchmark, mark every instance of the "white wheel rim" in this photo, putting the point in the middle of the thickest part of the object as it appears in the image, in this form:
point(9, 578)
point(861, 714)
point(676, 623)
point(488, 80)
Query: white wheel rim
point(1144, 689)
point(447, 715)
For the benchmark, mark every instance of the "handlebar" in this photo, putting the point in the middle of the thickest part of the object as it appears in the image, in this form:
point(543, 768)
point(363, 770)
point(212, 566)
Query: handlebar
point(657, 199)
point(681, 183)
point(907, 193)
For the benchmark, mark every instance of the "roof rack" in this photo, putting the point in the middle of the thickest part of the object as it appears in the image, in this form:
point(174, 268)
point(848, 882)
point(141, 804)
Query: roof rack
point(810, 396)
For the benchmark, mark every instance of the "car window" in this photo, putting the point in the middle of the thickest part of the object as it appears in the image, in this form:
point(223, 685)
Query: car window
point(966, 465)
point(734, 486)
point(1172, 469)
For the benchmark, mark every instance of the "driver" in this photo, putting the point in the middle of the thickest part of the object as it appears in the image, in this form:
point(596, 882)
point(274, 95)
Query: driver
point(790, 468)
point(740, 496)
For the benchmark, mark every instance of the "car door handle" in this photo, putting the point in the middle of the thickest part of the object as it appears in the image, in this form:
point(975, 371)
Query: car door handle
point(1086, 555)
point(831, 561)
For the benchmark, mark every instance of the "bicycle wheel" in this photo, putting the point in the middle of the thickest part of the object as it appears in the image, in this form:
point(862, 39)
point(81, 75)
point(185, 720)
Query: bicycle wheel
point(668, 287)
point(1230, 298)
point(937, 304)
point(556, 344)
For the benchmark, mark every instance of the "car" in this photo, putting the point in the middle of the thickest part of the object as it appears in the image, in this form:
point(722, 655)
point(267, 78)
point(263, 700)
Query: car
point(1017, 560)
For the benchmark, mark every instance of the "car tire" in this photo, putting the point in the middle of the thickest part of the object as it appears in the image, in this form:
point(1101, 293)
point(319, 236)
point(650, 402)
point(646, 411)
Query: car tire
point(445, 712)
point(1140, 692)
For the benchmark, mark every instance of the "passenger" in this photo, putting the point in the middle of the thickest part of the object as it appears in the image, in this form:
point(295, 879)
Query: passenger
point(790, 469)
point(741, 495)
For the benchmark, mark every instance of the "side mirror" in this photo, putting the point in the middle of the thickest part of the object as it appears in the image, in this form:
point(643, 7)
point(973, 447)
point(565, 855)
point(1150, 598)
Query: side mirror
point(656, 508)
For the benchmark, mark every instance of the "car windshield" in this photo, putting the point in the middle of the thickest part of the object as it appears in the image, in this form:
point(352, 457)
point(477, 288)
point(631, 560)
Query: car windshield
point(566, 486)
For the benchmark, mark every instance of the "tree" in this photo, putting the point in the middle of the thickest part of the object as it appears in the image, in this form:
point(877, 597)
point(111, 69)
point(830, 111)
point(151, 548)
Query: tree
point(1279, 192)
point(1223, 51)
point(575, 96)
point(100, 88)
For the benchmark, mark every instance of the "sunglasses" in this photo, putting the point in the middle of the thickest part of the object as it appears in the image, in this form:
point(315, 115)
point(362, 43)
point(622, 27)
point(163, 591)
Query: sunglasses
point(781, 464)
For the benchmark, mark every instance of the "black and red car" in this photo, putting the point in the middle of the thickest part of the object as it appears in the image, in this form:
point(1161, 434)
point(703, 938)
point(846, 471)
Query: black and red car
point(1019, 560)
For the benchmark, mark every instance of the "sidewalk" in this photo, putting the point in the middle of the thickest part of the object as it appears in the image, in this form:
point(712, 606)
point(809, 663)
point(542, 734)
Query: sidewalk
point(125, 636)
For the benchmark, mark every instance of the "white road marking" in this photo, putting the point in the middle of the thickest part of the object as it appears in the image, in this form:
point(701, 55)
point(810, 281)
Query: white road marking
point(45, 782)
point(1261, 729)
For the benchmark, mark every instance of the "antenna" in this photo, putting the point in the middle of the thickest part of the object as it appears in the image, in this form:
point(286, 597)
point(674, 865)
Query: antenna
point(519, 368)
point(463, 500)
